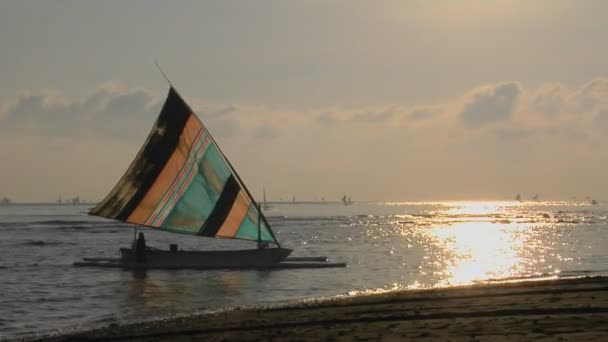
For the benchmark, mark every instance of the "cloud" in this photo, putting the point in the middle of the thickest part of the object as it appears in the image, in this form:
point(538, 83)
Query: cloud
point(373, 116)
point(217, 111)
point(490, 104)
point(326, 119)
point(420, 114)
point(601, 120)
point(125, 115)
point(41, 112)
point(484, 135)
point(551, 100)
point(225, 128)
point(266, 132)
point(514, 133)
point(114, 110)
point(110, 111)
point(593, 95)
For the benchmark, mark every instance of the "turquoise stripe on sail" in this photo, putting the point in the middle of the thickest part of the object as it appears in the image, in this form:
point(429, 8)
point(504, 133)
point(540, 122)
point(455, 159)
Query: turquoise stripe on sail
point(169, 198)
point(249, 228)
point(198, 200)
point(192, 209)
point(218, 165)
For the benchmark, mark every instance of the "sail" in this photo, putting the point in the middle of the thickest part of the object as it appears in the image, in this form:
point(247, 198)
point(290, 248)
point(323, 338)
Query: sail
point(181, 182)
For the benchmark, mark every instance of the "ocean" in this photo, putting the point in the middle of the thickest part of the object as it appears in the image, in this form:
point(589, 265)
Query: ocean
point(387, 246)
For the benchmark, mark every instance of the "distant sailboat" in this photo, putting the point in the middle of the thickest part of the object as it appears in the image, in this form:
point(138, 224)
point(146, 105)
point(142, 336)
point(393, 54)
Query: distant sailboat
point(591, 201)
point(5, 201)
point(346, 200)
point(265, 204)
point(535, 198)
point(518, 198)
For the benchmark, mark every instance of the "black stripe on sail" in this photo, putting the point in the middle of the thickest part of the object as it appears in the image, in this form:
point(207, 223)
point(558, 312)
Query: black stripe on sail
point(149, 162)
point(222, 208)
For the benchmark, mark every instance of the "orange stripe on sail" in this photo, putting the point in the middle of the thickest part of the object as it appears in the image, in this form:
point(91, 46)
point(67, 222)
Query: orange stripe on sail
point(168, 173)
point(235, 216)
point(189, 169)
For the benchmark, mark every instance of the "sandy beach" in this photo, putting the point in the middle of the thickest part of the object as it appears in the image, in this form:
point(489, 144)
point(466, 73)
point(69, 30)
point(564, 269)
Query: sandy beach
point(564, 309)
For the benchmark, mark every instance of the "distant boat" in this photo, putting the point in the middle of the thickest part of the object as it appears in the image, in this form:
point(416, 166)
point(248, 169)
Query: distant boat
point(518, 198)
point(75, 200)
point(346, 200)
point(5, 201)
point(535, 198)
point(293, 199)
point(265, 204)
point(198, 193)
point(591, 201)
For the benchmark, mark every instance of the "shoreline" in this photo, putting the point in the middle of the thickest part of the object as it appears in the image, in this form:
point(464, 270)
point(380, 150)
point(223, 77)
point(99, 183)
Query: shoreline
point(572, 309)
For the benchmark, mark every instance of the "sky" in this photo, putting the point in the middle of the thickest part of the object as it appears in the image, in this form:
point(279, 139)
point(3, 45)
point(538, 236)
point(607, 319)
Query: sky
point(381, 100)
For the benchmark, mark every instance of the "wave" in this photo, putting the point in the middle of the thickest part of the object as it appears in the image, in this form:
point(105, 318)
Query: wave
point(11, 224)
point(90, 227)
point(67, 222)
point(308, 218)
point(45, 243)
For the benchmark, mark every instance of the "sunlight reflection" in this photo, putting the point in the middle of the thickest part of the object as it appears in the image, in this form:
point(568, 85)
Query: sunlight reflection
point(481, 249)
point(477, 208)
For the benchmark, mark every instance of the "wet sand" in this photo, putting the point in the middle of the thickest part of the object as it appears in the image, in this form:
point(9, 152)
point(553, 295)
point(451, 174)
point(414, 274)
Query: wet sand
point(548, 310)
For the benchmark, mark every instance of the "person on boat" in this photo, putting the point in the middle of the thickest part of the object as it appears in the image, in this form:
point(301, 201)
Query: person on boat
point(140, 249)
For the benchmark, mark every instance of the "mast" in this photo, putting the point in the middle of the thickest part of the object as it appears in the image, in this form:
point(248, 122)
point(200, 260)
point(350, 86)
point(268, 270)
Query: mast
point(259, 227)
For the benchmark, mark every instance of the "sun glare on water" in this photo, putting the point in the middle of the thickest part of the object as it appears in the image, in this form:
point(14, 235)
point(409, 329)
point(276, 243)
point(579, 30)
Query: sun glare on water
point(482, 241)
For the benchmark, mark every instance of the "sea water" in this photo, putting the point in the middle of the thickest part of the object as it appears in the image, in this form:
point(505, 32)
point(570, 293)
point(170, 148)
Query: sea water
point(387, 246)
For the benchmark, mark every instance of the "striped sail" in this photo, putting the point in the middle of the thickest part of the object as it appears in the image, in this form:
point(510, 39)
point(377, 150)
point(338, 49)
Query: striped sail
point(181, 182)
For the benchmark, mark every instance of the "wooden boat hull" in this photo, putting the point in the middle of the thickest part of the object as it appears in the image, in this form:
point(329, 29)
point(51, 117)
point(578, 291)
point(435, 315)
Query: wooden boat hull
point(246, 258)
point(272, 258)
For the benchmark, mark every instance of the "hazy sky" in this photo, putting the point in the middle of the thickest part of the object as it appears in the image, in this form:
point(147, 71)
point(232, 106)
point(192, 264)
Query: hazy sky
point(383, 100)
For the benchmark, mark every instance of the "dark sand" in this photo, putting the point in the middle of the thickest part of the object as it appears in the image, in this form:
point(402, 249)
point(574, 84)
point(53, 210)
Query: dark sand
point(548, 310)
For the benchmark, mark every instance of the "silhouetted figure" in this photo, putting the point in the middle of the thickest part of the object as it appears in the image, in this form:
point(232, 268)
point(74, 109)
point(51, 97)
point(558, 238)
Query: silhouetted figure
point(140, 249)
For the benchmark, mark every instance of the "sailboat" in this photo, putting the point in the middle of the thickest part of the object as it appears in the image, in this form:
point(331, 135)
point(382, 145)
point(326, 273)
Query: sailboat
point(265, 204)
point(181, 182)
point(346, 200)
point(591, 201)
